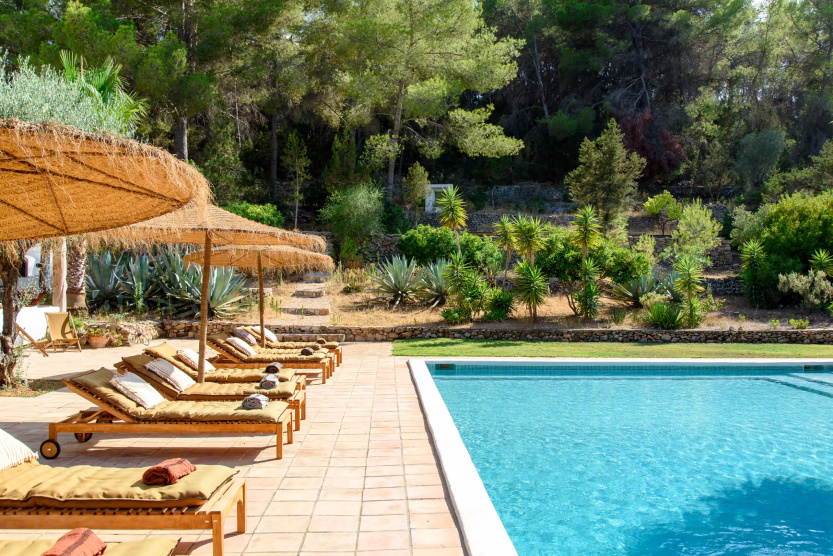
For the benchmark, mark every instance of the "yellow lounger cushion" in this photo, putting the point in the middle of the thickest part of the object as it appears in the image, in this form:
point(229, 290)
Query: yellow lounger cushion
point(212, 390)
point(167, 352)
point(86, 486)
point(147, 547)
point(264, 355)
point(97, 383)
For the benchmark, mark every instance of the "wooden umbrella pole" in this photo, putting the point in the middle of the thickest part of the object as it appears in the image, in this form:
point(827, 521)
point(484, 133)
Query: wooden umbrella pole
point(206, 273)
point(260, 293)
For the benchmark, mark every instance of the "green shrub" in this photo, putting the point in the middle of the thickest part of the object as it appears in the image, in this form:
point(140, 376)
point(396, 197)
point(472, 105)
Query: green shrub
point(395, 221)
point(499, 305)
point(799, 324)
point(619, 315)
point(748, 225)
point(815, 290)
point(665, 316)
point(354, 213)
point(795, 229)
point(426, 244)
point(265, 214)
point(456, 315)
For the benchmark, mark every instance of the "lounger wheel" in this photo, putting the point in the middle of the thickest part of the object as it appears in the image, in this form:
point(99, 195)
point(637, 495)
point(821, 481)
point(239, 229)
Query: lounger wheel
point(50, 449)
point(83, 436)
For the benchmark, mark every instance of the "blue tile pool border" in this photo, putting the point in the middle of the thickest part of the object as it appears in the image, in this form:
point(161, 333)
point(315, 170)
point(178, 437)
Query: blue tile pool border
point(482, 530)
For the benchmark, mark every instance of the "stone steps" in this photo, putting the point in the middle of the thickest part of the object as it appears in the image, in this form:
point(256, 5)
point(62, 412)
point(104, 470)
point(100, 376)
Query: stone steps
point(316, 277)
point(307, 311)
point(309, 292)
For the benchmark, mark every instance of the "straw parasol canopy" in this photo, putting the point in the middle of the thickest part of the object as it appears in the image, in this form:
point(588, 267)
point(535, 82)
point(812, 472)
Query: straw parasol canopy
point(283, 257)
point(191, 224)
point(213, 226)
point(60, 181)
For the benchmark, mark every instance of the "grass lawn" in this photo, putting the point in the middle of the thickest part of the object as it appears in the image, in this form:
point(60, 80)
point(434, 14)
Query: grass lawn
point(447, 347)
point(35, 388)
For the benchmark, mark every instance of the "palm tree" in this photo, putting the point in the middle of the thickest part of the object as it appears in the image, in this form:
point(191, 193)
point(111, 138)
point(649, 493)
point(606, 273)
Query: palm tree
point(586, 230)
point(452, 212)
point(531, 287)
point(505, 239)
point(105, 86)
point(689, 271)
point(528, 237)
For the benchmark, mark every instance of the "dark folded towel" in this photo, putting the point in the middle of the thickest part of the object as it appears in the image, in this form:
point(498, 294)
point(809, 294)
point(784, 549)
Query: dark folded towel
point(269, 381)
point(78, 542)
point(255, 401)
point(168, 472)
point(321, 341)
point(274, 368)
point(307, 351)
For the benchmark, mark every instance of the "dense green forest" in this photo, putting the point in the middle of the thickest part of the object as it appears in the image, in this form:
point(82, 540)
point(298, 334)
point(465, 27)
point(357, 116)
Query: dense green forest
point(722, 97)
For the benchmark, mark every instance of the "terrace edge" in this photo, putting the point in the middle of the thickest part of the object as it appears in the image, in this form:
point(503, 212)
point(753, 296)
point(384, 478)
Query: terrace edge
point(482, 530)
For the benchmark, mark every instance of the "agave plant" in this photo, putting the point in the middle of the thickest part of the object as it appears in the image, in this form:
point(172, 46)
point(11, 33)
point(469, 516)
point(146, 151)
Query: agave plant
point(183, 285)
point(666, 286)
point(140, 283)
point(397, 280)
point(632, 291)
point(103, 279)
point(434, 289)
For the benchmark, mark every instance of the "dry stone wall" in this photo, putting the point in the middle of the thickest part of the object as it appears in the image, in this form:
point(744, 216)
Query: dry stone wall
point(189, 329)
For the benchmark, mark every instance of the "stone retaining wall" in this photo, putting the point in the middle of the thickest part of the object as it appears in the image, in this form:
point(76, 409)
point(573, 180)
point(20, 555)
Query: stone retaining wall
point(729, 285)
point(188, 329)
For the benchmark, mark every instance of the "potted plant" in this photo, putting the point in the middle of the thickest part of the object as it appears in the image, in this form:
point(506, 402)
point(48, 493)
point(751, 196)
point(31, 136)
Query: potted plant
point(97, 337)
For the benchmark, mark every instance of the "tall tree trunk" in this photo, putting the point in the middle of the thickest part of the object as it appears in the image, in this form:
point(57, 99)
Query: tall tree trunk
point(181, 137)
point(77, 273)
point(397, 126)
point(9, 274)
point(537, 63)
point(273, 158)
point(59, 274)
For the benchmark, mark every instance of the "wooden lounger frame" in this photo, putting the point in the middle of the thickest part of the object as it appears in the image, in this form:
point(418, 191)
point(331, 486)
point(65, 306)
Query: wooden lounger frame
point(335, 351)
point(225, 359)
point(297, 403)
point(102, 420)
point(209, 515)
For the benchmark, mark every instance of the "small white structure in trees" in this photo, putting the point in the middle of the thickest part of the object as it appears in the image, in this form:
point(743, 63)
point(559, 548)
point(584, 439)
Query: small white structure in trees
point(431, 196)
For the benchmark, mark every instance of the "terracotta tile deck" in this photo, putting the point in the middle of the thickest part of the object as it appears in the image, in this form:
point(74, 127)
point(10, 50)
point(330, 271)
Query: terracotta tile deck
point(361, 477)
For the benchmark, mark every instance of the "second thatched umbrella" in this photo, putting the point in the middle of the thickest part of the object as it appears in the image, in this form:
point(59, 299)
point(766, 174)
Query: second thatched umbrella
point(213, 226)
point(287, 259)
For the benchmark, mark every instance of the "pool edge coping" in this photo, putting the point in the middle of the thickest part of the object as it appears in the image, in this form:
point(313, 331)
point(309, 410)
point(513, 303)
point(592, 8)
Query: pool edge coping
point(482, 530)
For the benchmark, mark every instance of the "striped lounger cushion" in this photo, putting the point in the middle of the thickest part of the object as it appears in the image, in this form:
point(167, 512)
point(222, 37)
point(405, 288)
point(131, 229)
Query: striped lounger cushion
point(135, 388)
point(170, 374)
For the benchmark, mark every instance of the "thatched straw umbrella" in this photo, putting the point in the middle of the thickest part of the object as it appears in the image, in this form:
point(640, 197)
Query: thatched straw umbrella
point(214, 226)
point(58, 181)
point(288, 259)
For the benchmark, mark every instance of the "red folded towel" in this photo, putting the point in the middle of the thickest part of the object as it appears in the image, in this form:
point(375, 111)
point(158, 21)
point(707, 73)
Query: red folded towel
point(78, 542)
point(321, 341)
point(168, 472)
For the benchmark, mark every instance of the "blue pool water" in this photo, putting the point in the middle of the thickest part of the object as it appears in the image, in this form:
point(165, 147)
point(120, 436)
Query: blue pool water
point(661, 462)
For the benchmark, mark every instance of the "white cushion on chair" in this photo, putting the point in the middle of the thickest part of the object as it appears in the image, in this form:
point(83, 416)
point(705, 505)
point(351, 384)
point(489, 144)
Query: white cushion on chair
point(242, 346)
point(137, 389)
point(192, 359)
point(170, 374)
point(13, 452)
point(270, 336)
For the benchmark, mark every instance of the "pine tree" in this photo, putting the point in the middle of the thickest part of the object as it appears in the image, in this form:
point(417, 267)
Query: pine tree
point(606, 176)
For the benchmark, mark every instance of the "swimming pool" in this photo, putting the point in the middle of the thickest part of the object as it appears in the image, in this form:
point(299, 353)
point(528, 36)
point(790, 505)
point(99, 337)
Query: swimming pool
point(645, 459)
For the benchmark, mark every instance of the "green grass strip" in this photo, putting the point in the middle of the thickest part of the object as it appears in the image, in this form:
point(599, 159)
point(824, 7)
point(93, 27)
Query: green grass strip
point(448, 347)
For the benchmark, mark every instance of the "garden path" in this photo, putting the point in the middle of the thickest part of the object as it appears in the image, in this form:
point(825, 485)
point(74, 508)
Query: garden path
point(360, 479)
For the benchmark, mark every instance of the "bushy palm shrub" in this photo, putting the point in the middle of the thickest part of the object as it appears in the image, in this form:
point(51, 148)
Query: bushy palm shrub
point(531, 287)
point(396, 281)
point(752, 258)
point(688, 284)
point(666, 316)
point(468, 288)
point(499, 305)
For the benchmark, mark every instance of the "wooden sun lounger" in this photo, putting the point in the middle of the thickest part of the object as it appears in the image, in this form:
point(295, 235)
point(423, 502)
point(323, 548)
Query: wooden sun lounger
point(106, 420)
point(225, 358)
point(336, 351)
point(298, 402)
point(210, 515)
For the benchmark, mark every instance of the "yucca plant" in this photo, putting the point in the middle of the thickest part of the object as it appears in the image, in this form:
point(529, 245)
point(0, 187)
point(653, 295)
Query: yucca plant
point(104, 292)
point(821, 261)
point(633, 290)
point(434, 289)
point(499, 305)
point(752, 257)
point(397, 281)
point(531, 287)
